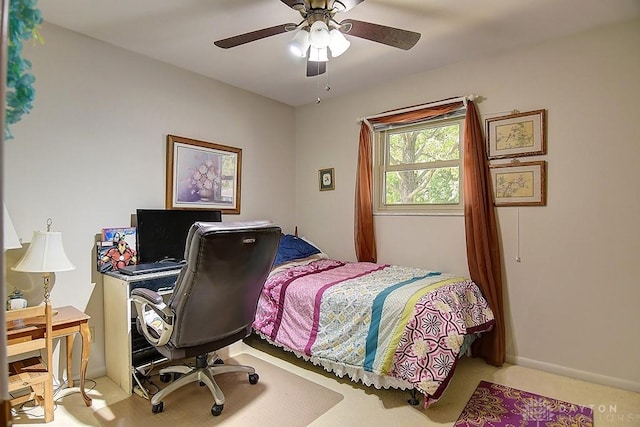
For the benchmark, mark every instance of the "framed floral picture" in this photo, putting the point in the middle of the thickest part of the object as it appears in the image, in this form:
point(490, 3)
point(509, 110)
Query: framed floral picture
point(519, 183)
point(518, 134)
point(203, 175)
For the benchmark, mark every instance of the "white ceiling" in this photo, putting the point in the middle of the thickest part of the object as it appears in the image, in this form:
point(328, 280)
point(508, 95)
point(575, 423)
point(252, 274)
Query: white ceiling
point(182, 32)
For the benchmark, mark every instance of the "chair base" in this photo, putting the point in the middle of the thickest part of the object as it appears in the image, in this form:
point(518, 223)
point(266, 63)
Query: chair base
point(204, 373)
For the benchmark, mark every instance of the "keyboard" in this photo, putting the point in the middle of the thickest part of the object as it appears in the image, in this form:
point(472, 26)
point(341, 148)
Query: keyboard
point(150, 267)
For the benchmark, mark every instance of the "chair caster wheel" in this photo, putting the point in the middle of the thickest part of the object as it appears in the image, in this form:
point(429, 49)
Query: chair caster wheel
point(253, 378)
point(165, 378)
point(157, 408)
point(216, 410)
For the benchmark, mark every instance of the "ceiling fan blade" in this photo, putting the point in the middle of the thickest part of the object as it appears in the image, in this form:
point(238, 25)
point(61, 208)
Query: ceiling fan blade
point(253, 36)
point(316, 68)
point(294, 4)
point(348, 4)
point(395, 37)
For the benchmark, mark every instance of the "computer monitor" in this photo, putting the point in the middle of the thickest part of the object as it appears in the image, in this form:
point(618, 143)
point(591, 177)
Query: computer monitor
point(162, 233)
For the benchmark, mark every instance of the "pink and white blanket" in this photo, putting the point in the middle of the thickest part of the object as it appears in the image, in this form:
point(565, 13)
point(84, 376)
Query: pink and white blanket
point(384, 325)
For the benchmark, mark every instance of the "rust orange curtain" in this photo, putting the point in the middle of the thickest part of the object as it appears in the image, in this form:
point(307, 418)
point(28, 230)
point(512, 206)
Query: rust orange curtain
point(483, 249)
point(364, 236)
point(365, 240)
point(483, 246)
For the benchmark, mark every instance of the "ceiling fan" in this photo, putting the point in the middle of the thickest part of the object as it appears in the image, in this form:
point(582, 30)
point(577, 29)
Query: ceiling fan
point(319, 33)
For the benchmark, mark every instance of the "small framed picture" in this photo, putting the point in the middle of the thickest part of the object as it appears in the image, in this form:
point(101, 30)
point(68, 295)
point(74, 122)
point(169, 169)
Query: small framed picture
point(515, 135)
point(326, 177)
point(519, 184)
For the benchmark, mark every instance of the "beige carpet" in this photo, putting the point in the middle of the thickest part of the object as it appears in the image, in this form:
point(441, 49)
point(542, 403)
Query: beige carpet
point(279, 398)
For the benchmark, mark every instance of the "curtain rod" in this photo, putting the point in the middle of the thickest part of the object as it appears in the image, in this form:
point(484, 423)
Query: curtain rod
point(464, 99)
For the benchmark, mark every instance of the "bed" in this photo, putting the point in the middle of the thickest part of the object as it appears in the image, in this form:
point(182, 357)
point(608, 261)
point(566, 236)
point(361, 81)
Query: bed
point(386, 326)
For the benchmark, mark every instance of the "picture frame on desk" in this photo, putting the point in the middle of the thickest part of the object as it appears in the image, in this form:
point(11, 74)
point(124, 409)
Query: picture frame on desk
point(117, 248)
point(203, 175)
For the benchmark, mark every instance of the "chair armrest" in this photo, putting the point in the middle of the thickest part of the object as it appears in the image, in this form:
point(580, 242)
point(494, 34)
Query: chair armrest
point(153, 315)
point(154, 301)
point(148, 294)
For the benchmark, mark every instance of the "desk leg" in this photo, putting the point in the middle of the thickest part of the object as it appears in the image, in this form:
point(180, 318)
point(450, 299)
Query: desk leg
point(86, 338)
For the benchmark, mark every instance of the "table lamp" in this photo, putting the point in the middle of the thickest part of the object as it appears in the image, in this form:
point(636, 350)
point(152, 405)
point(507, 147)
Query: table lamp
point(45, 255)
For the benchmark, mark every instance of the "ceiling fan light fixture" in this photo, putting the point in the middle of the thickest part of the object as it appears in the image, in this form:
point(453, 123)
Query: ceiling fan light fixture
point(339, 43)
point(318, 54)
point(319, 35)
point(299, 44)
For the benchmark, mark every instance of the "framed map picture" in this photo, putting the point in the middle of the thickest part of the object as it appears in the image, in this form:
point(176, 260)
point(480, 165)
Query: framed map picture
point(519, 134)
point(519, 184)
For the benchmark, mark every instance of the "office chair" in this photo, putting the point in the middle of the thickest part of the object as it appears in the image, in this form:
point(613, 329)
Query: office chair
point(213, 303)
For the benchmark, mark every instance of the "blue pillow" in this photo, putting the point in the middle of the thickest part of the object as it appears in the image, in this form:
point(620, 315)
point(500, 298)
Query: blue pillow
point(291, 248)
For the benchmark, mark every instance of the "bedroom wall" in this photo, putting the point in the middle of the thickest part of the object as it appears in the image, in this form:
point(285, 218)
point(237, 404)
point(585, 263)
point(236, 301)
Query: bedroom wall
point(572, 303)
point(93, 150)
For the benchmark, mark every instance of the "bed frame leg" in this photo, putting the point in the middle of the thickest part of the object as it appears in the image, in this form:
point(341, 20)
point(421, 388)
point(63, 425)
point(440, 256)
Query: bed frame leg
point(414, 401)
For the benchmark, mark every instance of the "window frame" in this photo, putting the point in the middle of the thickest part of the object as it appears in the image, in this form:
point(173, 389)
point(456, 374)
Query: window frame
point(380, 168)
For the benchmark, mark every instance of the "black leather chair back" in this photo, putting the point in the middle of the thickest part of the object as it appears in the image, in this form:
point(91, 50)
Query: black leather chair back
point(217, 291)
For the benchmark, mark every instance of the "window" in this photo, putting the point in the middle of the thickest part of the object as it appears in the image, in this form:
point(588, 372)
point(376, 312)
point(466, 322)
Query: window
point(418, 168)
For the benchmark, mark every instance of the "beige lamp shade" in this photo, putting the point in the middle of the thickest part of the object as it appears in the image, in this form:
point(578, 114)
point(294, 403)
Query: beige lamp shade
point(9, 235)
point(45, 254)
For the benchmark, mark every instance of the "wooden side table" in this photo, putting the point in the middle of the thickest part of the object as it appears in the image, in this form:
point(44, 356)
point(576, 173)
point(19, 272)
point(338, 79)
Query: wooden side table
point(67, 322)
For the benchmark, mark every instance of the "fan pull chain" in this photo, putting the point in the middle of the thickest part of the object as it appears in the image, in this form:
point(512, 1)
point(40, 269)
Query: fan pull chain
point(518, 259)
point(327, 87)
point(318, 84)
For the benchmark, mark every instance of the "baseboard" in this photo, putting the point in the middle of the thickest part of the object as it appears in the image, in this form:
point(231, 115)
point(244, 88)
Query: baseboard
point(575, 373)
point(92, 374)
point(95, 373)
point(233, 349)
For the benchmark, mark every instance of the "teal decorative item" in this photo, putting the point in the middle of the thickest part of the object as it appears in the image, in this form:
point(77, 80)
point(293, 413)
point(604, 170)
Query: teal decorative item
point(24, 21)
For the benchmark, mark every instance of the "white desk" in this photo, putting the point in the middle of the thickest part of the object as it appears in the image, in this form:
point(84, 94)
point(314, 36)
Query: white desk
point(118, 312)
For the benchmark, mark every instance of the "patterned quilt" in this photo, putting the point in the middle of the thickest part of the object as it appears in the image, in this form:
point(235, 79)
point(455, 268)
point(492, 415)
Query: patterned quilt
point(367, 319)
